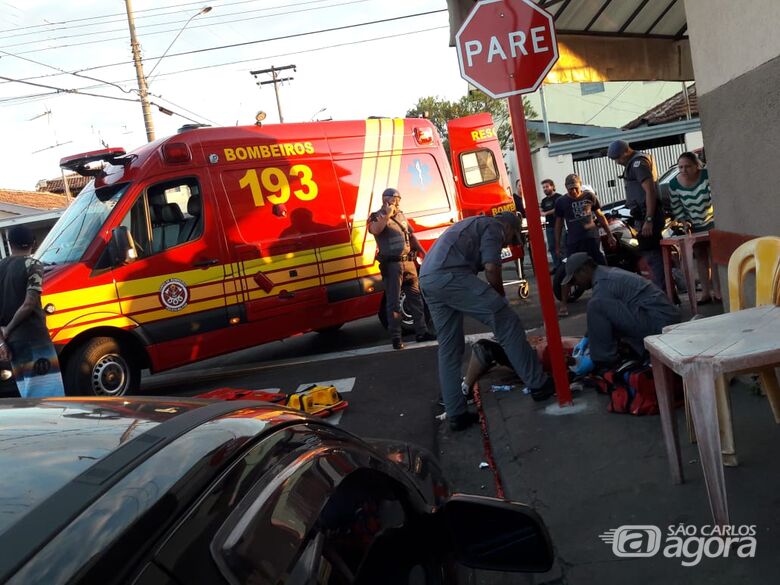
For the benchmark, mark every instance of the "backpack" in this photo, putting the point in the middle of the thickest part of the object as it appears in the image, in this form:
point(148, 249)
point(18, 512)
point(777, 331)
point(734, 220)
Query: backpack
point(631, 389)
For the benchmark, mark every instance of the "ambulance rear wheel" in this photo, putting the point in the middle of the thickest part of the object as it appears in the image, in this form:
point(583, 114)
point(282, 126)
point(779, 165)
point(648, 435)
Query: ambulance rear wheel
point(100, 367)
point(407, 323)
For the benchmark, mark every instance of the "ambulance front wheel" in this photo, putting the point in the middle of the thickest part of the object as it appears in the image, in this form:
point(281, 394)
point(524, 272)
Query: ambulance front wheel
point(99, 367)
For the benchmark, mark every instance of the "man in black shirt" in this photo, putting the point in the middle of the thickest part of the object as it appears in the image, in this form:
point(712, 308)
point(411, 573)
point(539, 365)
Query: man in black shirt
point(24, 337)
point(579, 210)
point(547, 205)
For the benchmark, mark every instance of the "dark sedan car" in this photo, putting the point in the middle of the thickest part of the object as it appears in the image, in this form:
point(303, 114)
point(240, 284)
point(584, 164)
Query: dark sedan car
point(177, 492)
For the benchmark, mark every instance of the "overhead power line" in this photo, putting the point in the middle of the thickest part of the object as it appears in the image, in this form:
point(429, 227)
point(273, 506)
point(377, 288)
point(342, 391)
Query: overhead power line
point(164, 23)
point(255, 59)
point(80, 91)
point(156, 9)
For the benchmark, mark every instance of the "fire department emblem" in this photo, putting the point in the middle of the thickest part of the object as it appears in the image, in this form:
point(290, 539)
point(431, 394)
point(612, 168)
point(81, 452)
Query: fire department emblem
point(174, 294)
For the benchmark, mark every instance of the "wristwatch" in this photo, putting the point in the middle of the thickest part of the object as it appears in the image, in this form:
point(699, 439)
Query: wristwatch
point(649, 219)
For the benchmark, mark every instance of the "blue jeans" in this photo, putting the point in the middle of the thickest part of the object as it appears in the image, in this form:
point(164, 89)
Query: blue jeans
point(450, 296)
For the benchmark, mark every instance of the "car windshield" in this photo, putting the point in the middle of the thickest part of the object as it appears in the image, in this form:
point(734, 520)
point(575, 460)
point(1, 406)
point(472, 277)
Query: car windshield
point(77, 227)
point(44, 446)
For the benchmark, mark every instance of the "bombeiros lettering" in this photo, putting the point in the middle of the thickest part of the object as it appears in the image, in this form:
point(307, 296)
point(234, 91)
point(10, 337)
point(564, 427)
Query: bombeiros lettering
point(263, 151)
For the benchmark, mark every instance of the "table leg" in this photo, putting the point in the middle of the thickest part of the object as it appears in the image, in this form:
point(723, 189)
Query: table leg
point(768, 378)
point(664, 390)
point(723, 402)
point(715, 276)
point(666, 253)
point(700, 380)
point(689, 269)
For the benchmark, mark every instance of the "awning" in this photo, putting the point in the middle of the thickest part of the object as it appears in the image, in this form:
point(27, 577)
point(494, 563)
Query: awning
point(611, 40)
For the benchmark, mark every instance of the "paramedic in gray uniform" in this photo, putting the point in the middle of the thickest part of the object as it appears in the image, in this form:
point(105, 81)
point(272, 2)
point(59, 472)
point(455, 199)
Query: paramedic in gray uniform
point(640, 178)
point(397, 250)
point(623, 307)
point(452, 289)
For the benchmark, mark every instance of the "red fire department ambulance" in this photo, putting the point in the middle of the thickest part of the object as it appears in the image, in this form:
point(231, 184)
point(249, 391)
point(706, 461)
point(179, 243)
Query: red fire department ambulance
point(218, 239)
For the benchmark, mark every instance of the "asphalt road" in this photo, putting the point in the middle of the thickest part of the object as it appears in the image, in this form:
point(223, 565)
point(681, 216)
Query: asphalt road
point(391, 394)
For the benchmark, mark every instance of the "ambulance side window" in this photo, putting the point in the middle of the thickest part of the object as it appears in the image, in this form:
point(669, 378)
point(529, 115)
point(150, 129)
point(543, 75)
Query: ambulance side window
point(135, 222)
point(479, 167)
point(175, 211)
point(421, 185)
point(157, 221)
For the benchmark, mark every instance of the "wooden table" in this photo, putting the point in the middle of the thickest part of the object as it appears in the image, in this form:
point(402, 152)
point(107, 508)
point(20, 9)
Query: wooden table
point(703, 352)
point(684, 245)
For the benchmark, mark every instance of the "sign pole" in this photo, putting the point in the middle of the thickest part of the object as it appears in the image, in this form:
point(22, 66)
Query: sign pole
point(538, 250)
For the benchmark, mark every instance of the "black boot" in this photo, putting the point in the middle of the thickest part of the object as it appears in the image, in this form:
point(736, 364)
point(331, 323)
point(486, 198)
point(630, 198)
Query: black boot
point(463, 421)
point(543, 393)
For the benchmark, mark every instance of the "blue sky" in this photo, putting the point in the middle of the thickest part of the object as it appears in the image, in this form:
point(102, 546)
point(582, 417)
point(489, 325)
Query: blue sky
point(365, 76)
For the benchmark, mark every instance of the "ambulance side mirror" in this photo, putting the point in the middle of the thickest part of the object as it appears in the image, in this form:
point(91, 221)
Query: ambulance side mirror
point(121, 247)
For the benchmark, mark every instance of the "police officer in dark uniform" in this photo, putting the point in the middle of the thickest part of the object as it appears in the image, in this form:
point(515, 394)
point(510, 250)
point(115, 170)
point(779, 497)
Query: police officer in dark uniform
point(642, 199)
point(398, 248)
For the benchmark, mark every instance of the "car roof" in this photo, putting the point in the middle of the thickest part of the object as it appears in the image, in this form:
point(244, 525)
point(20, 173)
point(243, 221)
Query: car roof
point(66, 453)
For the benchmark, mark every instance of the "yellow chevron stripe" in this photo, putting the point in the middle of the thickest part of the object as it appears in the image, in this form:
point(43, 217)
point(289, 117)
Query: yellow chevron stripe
point(189, 309)
point(93, 295)
point(141, 286)
point(367, 171)
point(293, 286)
point(72, 331)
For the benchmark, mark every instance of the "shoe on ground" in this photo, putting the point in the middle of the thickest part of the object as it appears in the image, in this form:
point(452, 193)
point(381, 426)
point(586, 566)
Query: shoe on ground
point(543, 393)
point(398, 344)
point(427, 336)
point(463, 421)
point(469, 399)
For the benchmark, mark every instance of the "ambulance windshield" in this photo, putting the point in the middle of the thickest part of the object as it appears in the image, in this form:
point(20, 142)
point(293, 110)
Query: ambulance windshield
point(77, 227)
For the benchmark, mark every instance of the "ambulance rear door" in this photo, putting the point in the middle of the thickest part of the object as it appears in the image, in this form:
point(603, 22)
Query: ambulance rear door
point(481, 180)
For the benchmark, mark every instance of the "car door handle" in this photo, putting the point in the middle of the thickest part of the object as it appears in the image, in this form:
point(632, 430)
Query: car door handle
point(205, 263)
point(285, 294)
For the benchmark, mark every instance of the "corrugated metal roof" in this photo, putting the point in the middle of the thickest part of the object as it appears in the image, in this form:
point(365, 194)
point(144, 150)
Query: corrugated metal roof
point(636, 135)
point(647, 18)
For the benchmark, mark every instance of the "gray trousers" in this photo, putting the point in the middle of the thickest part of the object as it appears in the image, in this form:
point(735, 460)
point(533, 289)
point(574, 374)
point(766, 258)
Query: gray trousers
point(398, 276)
point(610, 321)
point(450, 296)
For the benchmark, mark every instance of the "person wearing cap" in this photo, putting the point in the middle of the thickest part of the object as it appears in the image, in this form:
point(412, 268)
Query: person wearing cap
point(579, 210)
point(24, 337)
point(640, 178)
point(624, 307)
point(397, 249)
point(452, 289)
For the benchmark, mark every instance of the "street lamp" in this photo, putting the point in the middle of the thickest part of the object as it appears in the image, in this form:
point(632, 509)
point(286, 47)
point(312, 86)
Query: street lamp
point(143, 90)
point(202, 11)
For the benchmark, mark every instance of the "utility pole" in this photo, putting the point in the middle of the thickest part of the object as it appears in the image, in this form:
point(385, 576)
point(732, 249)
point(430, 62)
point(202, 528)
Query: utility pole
point(143, 91)
point(276, 80)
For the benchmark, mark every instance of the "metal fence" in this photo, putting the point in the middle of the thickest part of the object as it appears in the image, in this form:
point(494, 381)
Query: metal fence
point(603, 174)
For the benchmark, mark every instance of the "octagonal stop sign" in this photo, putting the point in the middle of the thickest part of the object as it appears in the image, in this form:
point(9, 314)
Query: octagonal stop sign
point(506, 47)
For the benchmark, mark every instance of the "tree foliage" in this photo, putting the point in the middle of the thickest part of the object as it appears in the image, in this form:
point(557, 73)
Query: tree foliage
point(440, 111)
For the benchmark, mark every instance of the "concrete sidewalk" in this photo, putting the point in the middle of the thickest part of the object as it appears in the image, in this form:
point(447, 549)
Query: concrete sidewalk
point(587, 471)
